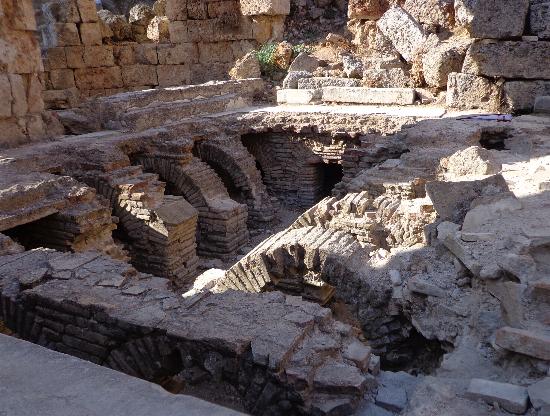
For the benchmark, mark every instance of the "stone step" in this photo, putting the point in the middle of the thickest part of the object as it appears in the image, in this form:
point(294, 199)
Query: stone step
point(363, 95)
point(292, 96)
point(320, 82)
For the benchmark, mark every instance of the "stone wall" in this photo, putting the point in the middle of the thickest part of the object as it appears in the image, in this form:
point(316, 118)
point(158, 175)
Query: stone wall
point(82, 59)
point(21, 104)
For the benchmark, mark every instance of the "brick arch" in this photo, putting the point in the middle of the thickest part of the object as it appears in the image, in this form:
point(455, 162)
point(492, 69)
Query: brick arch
point(222, 221)
point(233, 161)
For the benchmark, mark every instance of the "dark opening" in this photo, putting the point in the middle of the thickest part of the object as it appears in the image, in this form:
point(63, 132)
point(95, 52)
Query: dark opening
point(494, 139)
point(332, 174)
point(46, 232)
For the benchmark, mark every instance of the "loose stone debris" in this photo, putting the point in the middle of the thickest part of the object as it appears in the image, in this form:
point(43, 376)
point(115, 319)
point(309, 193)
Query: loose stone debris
point(223, 199)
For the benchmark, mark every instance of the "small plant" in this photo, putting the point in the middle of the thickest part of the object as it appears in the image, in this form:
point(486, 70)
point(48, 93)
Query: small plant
point(298, 49)
point(266, 55)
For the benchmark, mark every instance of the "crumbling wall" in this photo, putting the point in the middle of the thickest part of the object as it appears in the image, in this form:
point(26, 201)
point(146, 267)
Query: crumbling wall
point(21, 104)
point(89, 55)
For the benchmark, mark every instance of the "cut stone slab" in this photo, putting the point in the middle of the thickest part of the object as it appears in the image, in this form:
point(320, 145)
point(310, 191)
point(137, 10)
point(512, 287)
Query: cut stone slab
point(320, 82)
point(524, 342)
point(508, 396)
point(542, 105)
point(334, 377)
point(492, 19)
point(539, 19)
point(521, 95)
point(508, 59)
point(38, 381)
point(404, 32)
point(466, 91)
point(359, 353)
point(361, 95)
point(265, 7)
point(439, 62)
point(539, 393)
point(295, 96)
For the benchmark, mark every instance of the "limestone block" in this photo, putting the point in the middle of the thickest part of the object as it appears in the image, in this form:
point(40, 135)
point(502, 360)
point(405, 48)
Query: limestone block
point(304, 62)
point(74, 56)
point(5, 96)
point(131, 54)
point(246, 67)
point(176, 10)
point(141, 14)
point(320, 82)
point(175, 54)
point(266, 28)
point(197, 10)
point(158, 29)
point(223, 8)
point(439, 62)
point(96, 78)
point(95, 56)
point(542, 104)
point(360, 95)
point(215, 52)
point(34, 94)
point(466, 91)
point(173, 75)
point(539, 20)
point(136, 75)
point(21, 15)
point(19, 105)
point(62, 11)
point(117, 24)
point(387, 78)
point(20, 53)
point(405, 33)
point(435, 12)
point(539, 393)
point(178, 32)
point(159, 8)
point(265, 7)
point(520, 95)
point(492, 19)
point(509, 396)
point(66, 34)
point(508, 59)
point(534, 344)
point(302, 96)
point(87, 10)
point(292, 78)
point(62, 79)
point(367, 9)
point(56, 58)
point(90, 33)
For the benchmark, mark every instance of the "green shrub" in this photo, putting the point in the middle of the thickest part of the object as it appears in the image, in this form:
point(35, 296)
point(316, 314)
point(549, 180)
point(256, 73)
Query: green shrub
point(265, 55)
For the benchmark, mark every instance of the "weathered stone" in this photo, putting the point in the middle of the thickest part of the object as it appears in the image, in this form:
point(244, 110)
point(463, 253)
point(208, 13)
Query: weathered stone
point(466, 91)
point(387, 78)
point(388, 96)
point(304, 62)
point(301, 96)
point(539, 20)
point(391, 398)
point(265, 7)
point(539, 393)
point(158, 29)
point(473, 160)
point(508, 396)
point(521, 95)
point(406, 34)
point(141, 14)
point(353, 66)
point(293, 77)
point(366, 9)
point(246, 67)
point(524, 342)
point(117, 24)
point(439, 62)
point(90, 33)
point(359, 353)
point(320, 82)
point(494, 19)
point(508, 59)
point(282, 55)
point(335, 377)
point(159, 7)
point(542, 104)
point(434, 12)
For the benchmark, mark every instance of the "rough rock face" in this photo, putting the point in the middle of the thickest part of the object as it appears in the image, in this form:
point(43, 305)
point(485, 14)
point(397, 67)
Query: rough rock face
point(492, 19)
point(158, 29)
point(283, 55)
point(539, 19)
point(474, 160)
point(466, 91)
point(246, 67)
point(141, 14)
point(440, 61)
point(117, 24)
point(265, 7)
point(435, 12)
point(404, 32)
point(527, 60)
point(367, 9)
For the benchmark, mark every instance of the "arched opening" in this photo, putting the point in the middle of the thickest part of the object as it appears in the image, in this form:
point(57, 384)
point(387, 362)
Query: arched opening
point(331, 174)
point(45, 232)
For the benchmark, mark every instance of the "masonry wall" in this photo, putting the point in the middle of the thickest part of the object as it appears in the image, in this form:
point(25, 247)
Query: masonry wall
point(21, 104)
point(205, 39)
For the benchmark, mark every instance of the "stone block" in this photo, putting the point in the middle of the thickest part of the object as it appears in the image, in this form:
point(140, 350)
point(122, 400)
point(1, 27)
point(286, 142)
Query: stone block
point(508, 396)
point(292, 78)
point(19, 106)
point(405, 33)
point(534, 344)
point(333, 377)
point(75, 56)
point(34, 94)
point(98, 78)
point(439, 62)
point(62, 11)
point(56, 59)
point(302, 96)
point(265, 28)
point(223, 8)
point(465, 91)
point(360, 95)
point(21, 53)
point(320, 82)
point(366, 9)
point(197, 10)
point(542, 104)
point(21, 16)
point(5, 96)
point(432, 12)
point(539, 393)
point(386, 78)
point(158, 29)
point(359, 353)
point(137, 75)
point(520, 95)
point(508, 59)
point(265, 7)
point(173, 75)
point(177, 54)
point(66, 34)
point(62, 79)
point(178, 32)
point(492, 19)
point(539, 20)
point(90, 33)
point(87, 10)
point(176, 10)
point(215, 52)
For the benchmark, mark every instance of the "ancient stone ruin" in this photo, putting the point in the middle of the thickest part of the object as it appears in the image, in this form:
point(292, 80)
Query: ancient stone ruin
point(275, 207)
